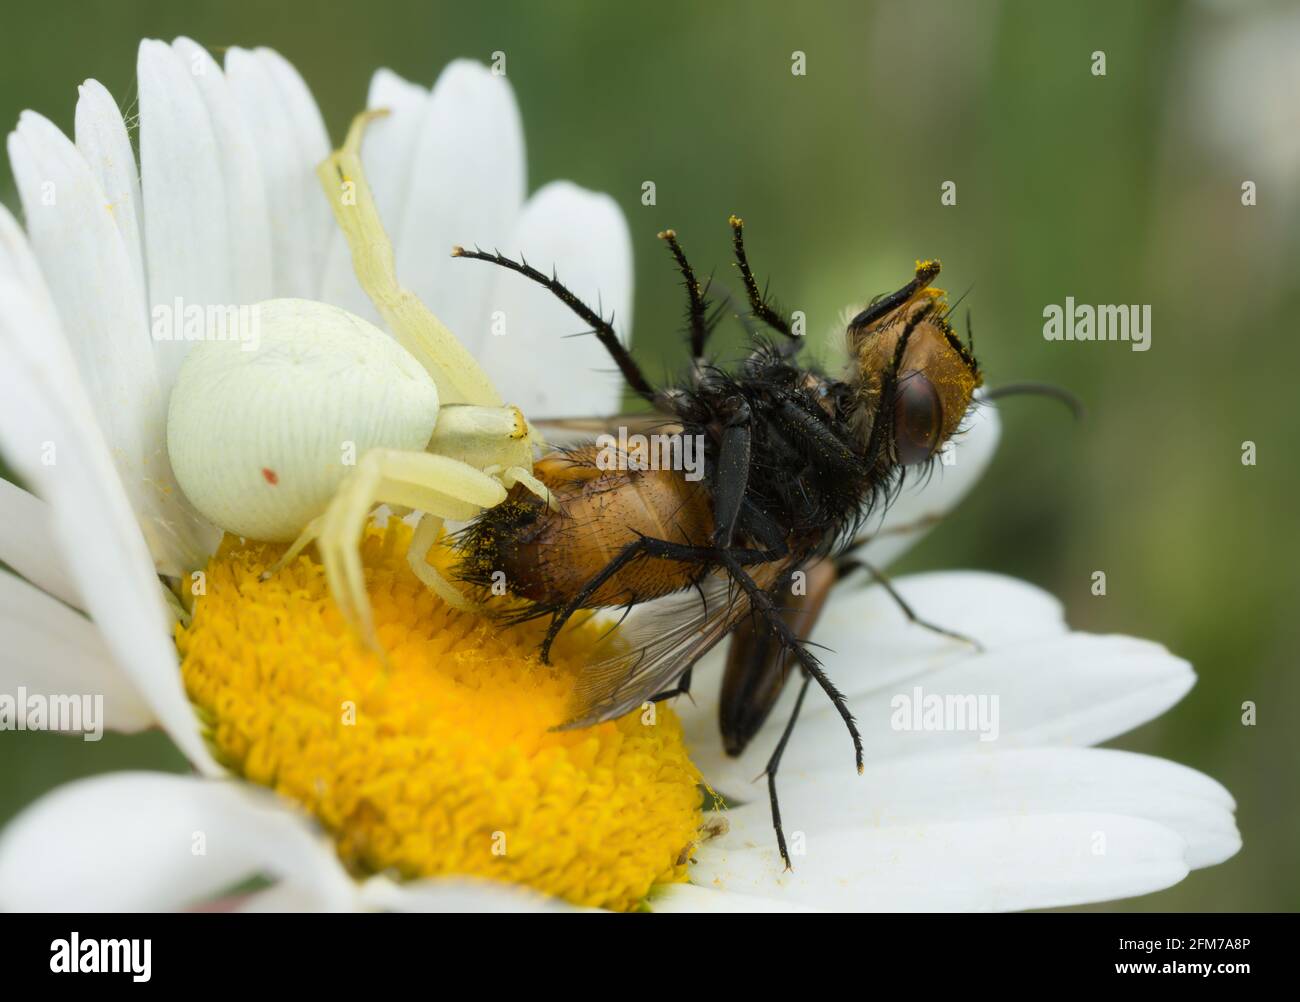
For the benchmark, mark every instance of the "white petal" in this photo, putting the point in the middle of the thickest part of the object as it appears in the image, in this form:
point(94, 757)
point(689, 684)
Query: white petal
point(189, 246)
point(28, 544)
point(50, 438)
point(989, 864)
point(248, 223)
point(313, 146)
point(1078, 689)
point(1075, 689)
point(537, 363)
point(466, 187)
point(93, 282)
point(946, 789)
point(404, 101)
point(994, 609)
point(103, 141)
point(129, 842)
point(692, 899)
point(388, 154)
point(455, 895)
point(290, 140)
point(52, 651)
point(921, 504)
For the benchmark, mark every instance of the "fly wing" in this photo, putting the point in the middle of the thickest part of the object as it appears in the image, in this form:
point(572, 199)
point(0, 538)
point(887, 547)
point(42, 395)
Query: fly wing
point(566, 431)
point(655, 648)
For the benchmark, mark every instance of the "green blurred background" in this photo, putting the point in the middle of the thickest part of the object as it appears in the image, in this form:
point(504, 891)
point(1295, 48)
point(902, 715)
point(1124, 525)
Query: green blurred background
point(1117, 189)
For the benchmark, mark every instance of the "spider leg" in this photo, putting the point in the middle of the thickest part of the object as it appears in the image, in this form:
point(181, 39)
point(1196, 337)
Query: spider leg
point(458, 376)
point(436, 485)
point(425, 536)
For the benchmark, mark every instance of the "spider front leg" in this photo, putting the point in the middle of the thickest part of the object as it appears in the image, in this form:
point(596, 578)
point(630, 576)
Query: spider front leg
point(429, 530)
point(497, 440)
point(427, 533)
point(439, 486)
point(475, 455)
point(459, 377)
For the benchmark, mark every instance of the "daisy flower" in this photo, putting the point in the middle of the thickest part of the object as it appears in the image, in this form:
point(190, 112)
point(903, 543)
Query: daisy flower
point(437, 784)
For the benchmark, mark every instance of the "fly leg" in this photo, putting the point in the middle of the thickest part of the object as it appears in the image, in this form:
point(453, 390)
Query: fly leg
point(682, 688)
point(584, 594)
point(643, 546)
point(602, 328)
point(697, 306)
point(763, 605)
point(848, 565)
point(758, 304)
point(774, 763)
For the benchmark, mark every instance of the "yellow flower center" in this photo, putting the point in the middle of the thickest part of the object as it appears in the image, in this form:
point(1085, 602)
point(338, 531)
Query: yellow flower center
point(443, 762)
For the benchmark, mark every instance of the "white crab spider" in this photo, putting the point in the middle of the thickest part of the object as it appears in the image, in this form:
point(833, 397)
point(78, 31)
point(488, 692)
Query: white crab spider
point(260, 440)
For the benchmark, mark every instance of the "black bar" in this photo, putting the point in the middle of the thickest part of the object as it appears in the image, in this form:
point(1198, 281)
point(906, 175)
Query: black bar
point(552, 952)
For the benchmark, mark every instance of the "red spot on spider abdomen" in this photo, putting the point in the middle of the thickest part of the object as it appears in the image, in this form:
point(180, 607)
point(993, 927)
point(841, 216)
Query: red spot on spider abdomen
point(271, 476)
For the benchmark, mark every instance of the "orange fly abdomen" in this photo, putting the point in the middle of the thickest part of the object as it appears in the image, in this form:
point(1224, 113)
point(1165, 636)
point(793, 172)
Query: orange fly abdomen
point(547, 556)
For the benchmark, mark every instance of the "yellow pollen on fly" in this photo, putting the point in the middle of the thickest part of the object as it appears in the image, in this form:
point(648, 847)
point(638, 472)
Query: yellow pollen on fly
point(443, 761)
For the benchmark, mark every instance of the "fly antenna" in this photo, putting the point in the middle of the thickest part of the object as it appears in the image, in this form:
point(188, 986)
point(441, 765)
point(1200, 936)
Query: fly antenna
point(1039, 390)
